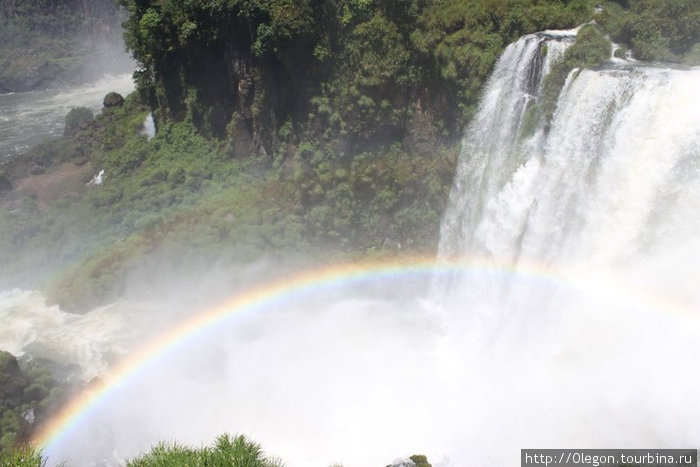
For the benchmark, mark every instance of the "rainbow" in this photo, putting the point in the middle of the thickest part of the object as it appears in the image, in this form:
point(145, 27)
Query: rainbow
point(265, 297)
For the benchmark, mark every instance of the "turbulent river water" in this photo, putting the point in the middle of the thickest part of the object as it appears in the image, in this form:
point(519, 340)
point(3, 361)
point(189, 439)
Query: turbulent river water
point(562, 310)
point(27, 118)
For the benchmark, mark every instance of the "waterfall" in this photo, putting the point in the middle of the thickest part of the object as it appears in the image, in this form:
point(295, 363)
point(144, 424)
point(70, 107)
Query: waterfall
point(149, 127)
point(594, 215)
point(611, 188)
point(496, 131)
point(621, 164)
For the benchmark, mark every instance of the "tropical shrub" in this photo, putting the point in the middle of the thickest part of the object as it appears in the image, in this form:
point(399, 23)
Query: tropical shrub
point(225, 452)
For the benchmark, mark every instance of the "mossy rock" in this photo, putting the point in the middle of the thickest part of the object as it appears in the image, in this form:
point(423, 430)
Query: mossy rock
point(113, 99)
point(621, 52)
point(77, 117)
point(421, 460)
point(417, 460)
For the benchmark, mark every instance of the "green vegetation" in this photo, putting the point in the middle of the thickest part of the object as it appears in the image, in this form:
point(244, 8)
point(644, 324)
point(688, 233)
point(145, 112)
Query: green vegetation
point(27, 393)
point(463, 39)
point(355, 76)
point(182, 201)
point(421, 461)
point(317, 131)
point(348, 76)
point(285, 53)
point(324, 130)
point(667, 30)
point(225, 452)
point(22, 456)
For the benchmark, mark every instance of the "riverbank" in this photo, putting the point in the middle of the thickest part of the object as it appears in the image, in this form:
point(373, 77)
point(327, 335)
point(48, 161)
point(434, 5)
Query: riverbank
point(28, 118)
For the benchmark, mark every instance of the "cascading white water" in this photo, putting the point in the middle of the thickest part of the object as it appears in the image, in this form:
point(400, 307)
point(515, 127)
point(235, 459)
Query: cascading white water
point(495, 132)
point(149, 127)
point(591, 342)
point(613, 186)
point(606, 200)
point(94, 341)
point(619, 179)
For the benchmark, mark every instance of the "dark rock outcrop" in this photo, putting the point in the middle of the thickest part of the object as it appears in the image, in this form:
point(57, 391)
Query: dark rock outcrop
point(113, 99)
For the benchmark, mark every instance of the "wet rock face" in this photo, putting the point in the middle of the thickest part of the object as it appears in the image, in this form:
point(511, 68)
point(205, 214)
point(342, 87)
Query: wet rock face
point(113, 99)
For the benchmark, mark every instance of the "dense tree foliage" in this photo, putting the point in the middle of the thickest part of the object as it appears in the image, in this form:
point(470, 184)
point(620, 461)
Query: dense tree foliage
point(28, 392)
point(349, 100)
point(348, 74)
point(178, 200)
point(667, 30)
